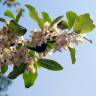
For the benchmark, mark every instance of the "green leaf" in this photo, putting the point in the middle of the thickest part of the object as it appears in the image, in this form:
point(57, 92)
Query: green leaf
point(56, 20)
point(46, 17)
point(50, 64)
point(31, 53)
point(17, 71)
point(71, 16)
point(62, 25)
point(9, 14)
point(72, 54)
point(19, 15)
point(2, 20)
point(4, 69)
point(34, 15)
point(29, 78)
point(83, 24)
point(32, 11)
point(14, 27)
point(50, 45)
point(18, 46)
point(40, 22)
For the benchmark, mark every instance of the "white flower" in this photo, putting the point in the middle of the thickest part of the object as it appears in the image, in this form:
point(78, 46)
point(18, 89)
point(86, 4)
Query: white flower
point(77, 39)
point(32, 68)
point(66, 40)
point(46, 27)
point(50, 53)
point(62, 41)
point(55, 29)
point(21, 40)
point(19, 56)
point(38, 39)
point(30, 65)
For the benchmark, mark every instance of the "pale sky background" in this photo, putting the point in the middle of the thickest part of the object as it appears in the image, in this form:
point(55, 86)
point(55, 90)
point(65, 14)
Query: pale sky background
point(74, 80)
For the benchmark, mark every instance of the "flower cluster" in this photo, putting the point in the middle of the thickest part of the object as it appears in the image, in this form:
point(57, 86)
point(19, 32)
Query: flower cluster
point(47, 33)
point(9, 41)
point(9, 54)
point(60, 39)
point(66, 40)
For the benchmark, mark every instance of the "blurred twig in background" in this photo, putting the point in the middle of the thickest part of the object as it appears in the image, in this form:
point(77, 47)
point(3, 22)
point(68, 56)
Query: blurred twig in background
point(4, 84)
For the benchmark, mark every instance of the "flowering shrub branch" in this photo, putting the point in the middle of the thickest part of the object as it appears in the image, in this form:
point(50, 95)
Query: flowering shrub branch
point(27, 55)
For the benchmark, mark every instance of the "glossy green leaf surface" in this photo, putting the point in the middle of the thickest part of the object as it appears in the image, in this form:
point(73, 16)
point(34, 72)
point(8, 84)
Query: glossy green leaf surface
point(14, 27)
point(63, 25)
point(73, 55)
point(9, 14)
point(34, 15)
point(3, 69)
point(46, 17)
point(56, 20)
point(71, 16)
point(29, 78)
point(2, 20)
point(83, 24)
point(17, 71)
point(19, 15)
point(50, 64)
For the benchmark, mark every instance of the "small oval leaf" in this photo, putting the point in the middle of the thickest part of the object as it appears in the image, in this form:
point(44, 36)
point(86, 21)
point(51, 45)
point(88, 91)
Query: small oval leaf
point(83, 24)
point(34, 15)
point(46, 17)
point(71, 16)
point(15, 27)
point(19, 15)
point(3, 69)
point(62, 25)
point(17, 71)
point(72, 54)
point(9, 14)
point(50, 64)
point(56, 20)
point(29, 78)
point(2, 20)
